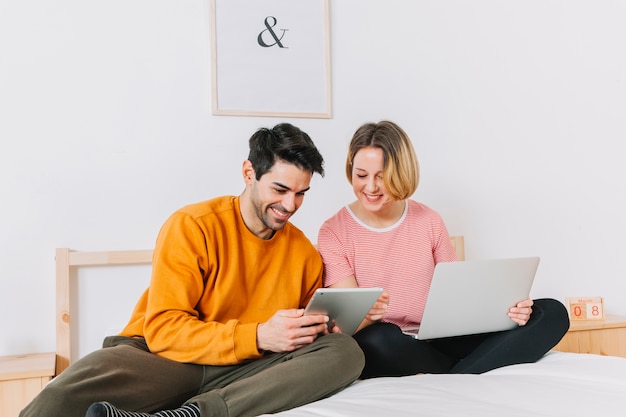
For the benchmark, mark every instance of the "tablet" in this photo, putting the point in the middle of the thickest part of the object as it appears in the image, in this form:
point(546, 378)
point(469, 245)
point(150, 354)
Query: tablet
point(347, 307)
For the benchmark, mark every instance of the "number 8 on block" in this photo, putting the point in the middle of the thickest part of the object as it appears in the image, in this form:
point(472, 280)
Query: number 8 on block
point(585, 308)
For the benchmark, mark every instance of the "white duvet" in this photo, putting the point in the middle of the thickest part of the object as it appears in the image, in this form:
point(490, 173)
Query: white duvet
point(558, 385)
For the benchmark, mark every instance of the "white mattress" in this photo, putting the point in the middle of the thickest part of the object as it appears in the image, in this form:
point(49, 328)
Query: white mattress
point(558, 385)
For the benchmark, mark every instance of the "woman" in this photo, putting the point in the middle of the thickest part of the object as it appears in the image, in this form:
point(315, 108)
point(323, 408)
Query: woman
point(384, 239)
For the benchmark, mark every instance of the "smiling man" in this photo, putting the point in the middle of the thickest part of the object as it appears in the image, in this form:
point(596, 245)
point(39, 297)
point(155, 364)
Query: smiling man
point(220, 331)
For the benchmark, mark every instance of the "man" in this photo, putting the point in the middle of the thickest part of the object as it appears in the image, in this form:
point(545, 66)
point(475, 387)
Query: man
point(220, 331)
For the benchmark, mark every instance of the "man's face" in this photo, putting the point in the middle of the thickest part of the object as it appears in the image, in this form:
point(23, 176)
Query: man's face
point(275, 197)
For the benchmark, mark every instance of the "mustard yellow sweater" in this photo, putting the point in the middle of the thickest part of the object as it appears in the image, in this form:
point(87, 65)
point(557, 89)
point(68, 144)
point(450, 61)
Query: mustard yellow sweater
point(213, 282)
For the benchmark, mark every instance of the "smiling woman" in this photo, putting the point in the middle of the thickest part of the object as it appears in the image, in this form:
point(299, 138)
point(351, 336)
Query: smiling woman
point(384, 239)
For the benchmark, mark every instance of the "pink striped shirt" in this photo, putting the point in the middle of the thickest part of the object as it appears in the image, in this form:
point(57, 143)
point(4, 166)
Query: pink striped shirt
point(400, 258)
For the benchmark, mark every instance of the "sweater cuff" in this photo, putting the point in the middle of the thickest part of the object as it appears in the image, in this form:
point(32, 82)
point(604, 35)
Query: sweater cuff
point(245, 342)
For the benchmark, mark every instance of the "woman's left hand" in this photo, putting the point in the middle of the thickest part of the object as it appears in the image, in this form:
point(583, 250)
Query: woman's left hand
point(520, 314)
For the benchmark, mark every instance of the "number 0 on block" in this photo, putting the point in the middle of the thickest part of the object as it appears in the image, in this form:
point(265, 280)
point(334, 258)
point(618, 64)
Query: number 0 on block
point(585, 308)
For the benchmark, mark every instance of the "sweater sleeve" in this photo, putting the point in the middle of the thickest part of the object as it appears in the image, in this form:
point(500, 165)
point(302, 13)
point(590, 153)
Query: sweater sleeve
point(173, 327)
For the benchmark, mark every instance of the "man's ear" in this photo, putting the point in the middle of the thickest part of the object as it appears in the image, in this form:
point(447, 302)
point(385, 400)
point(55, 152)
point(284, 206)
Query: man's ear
point(249, 175)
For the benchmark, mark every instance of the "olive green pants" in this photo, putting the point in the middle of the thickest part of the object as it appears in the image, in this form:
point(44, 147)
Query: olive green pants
point(127, 375)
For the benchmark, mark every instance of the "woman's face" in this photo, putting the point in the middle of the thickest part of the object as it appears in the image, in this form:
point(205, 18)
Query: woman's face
point(367, 178)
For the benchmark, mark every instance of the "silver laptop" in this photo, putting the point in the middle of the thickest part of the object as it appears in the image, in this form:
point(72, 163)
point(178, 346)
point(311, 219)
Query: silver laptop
point(472, 297)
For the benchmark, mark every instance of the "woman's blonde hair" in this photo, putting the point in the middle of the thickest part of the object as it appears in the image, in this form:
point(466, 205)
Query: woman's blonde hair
point(400, 168)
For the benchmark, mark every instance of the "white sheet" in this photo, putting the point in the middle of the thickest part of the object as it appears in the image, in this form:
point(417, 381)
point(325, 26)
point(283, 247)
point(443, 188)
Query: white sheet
point(558, 385)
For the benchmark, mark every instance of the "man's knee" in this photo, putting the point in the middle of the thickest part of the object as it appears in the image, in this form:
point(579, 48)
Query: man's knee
point(346, 351)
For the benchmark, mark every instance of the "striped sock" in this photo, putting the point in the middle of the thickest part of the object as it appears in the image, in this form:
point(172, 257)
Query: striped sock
point(104, 409)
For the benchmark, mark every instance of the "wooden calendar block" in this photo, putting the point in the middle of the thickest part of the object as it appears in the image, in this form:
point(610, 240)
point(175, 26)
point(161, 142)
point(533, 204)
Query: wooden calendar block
point(585, 308)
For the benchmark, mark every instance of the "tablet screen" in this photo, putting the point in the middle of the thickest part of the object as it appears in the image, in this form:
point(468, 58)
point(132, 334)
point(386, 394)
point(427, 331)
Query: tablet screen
point(346, 307)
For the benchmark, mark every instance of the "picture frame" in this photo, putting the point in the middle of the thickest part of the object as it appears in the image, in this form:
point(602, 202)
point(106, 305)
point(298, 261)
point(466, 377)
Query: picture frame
point(271, 58)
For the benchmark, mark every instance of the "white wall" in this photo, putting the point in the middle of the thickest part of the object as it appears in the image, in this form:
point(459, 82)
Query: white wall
point(516, 109)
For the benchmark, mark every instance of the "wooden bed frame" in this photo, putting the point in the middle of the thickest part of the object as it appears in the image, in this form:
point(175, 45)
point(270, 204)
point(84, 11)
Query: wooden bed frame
point(68, 260)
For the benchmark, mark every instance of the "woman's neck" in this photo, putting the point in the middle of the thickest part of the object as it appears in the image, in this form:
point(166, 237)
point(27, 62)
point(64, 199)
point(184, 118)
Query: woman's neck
point(387, 216)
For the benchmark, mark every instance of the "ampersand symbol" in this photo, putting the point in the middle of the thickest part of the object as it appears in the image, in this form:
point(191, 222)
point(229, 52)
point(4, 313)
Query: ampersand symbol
point(269, 29)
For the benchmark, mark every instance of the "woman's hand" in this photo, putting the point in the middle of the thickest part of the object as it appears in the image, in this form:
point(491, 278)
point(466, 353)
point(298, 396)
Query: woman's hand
point(520, 314)
point(379, 309)
point(377, 312)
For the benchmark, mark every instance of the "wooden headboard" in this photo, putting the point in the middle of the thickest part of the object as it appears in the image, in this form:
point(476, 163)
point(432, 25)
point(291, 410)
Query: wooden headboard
point(67, 260)
point(458, 243)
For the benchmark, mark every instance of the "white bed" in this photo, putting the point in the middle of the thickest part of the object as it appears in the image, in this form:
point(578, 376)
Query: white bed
point(559, 385)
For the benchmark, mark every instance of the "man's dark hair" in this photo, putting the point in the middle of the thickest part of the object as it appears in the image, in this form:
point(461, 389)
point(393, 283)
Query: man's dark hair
point(287, 143)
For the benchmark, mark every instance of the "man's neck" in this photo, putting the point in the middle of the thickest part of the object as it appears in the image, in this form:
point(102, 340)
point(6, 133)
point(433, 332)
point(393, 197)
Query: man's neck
point(251, 220)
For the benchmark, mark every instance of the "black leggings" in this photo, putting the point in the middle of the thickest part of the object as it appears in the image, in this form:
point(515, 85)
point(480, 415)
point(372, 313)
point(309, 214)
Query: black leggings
point(389, 352)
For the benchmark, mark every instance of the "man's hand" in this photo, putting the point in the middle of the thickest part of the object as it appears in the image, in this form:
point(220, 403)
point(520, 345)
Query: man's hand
point(288, 330)
point(520, 314)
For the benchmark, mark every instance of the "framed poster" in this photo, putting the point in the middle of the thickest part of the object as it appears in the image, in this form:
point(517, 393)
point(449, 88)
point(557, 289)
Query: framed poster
point(271, 58)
